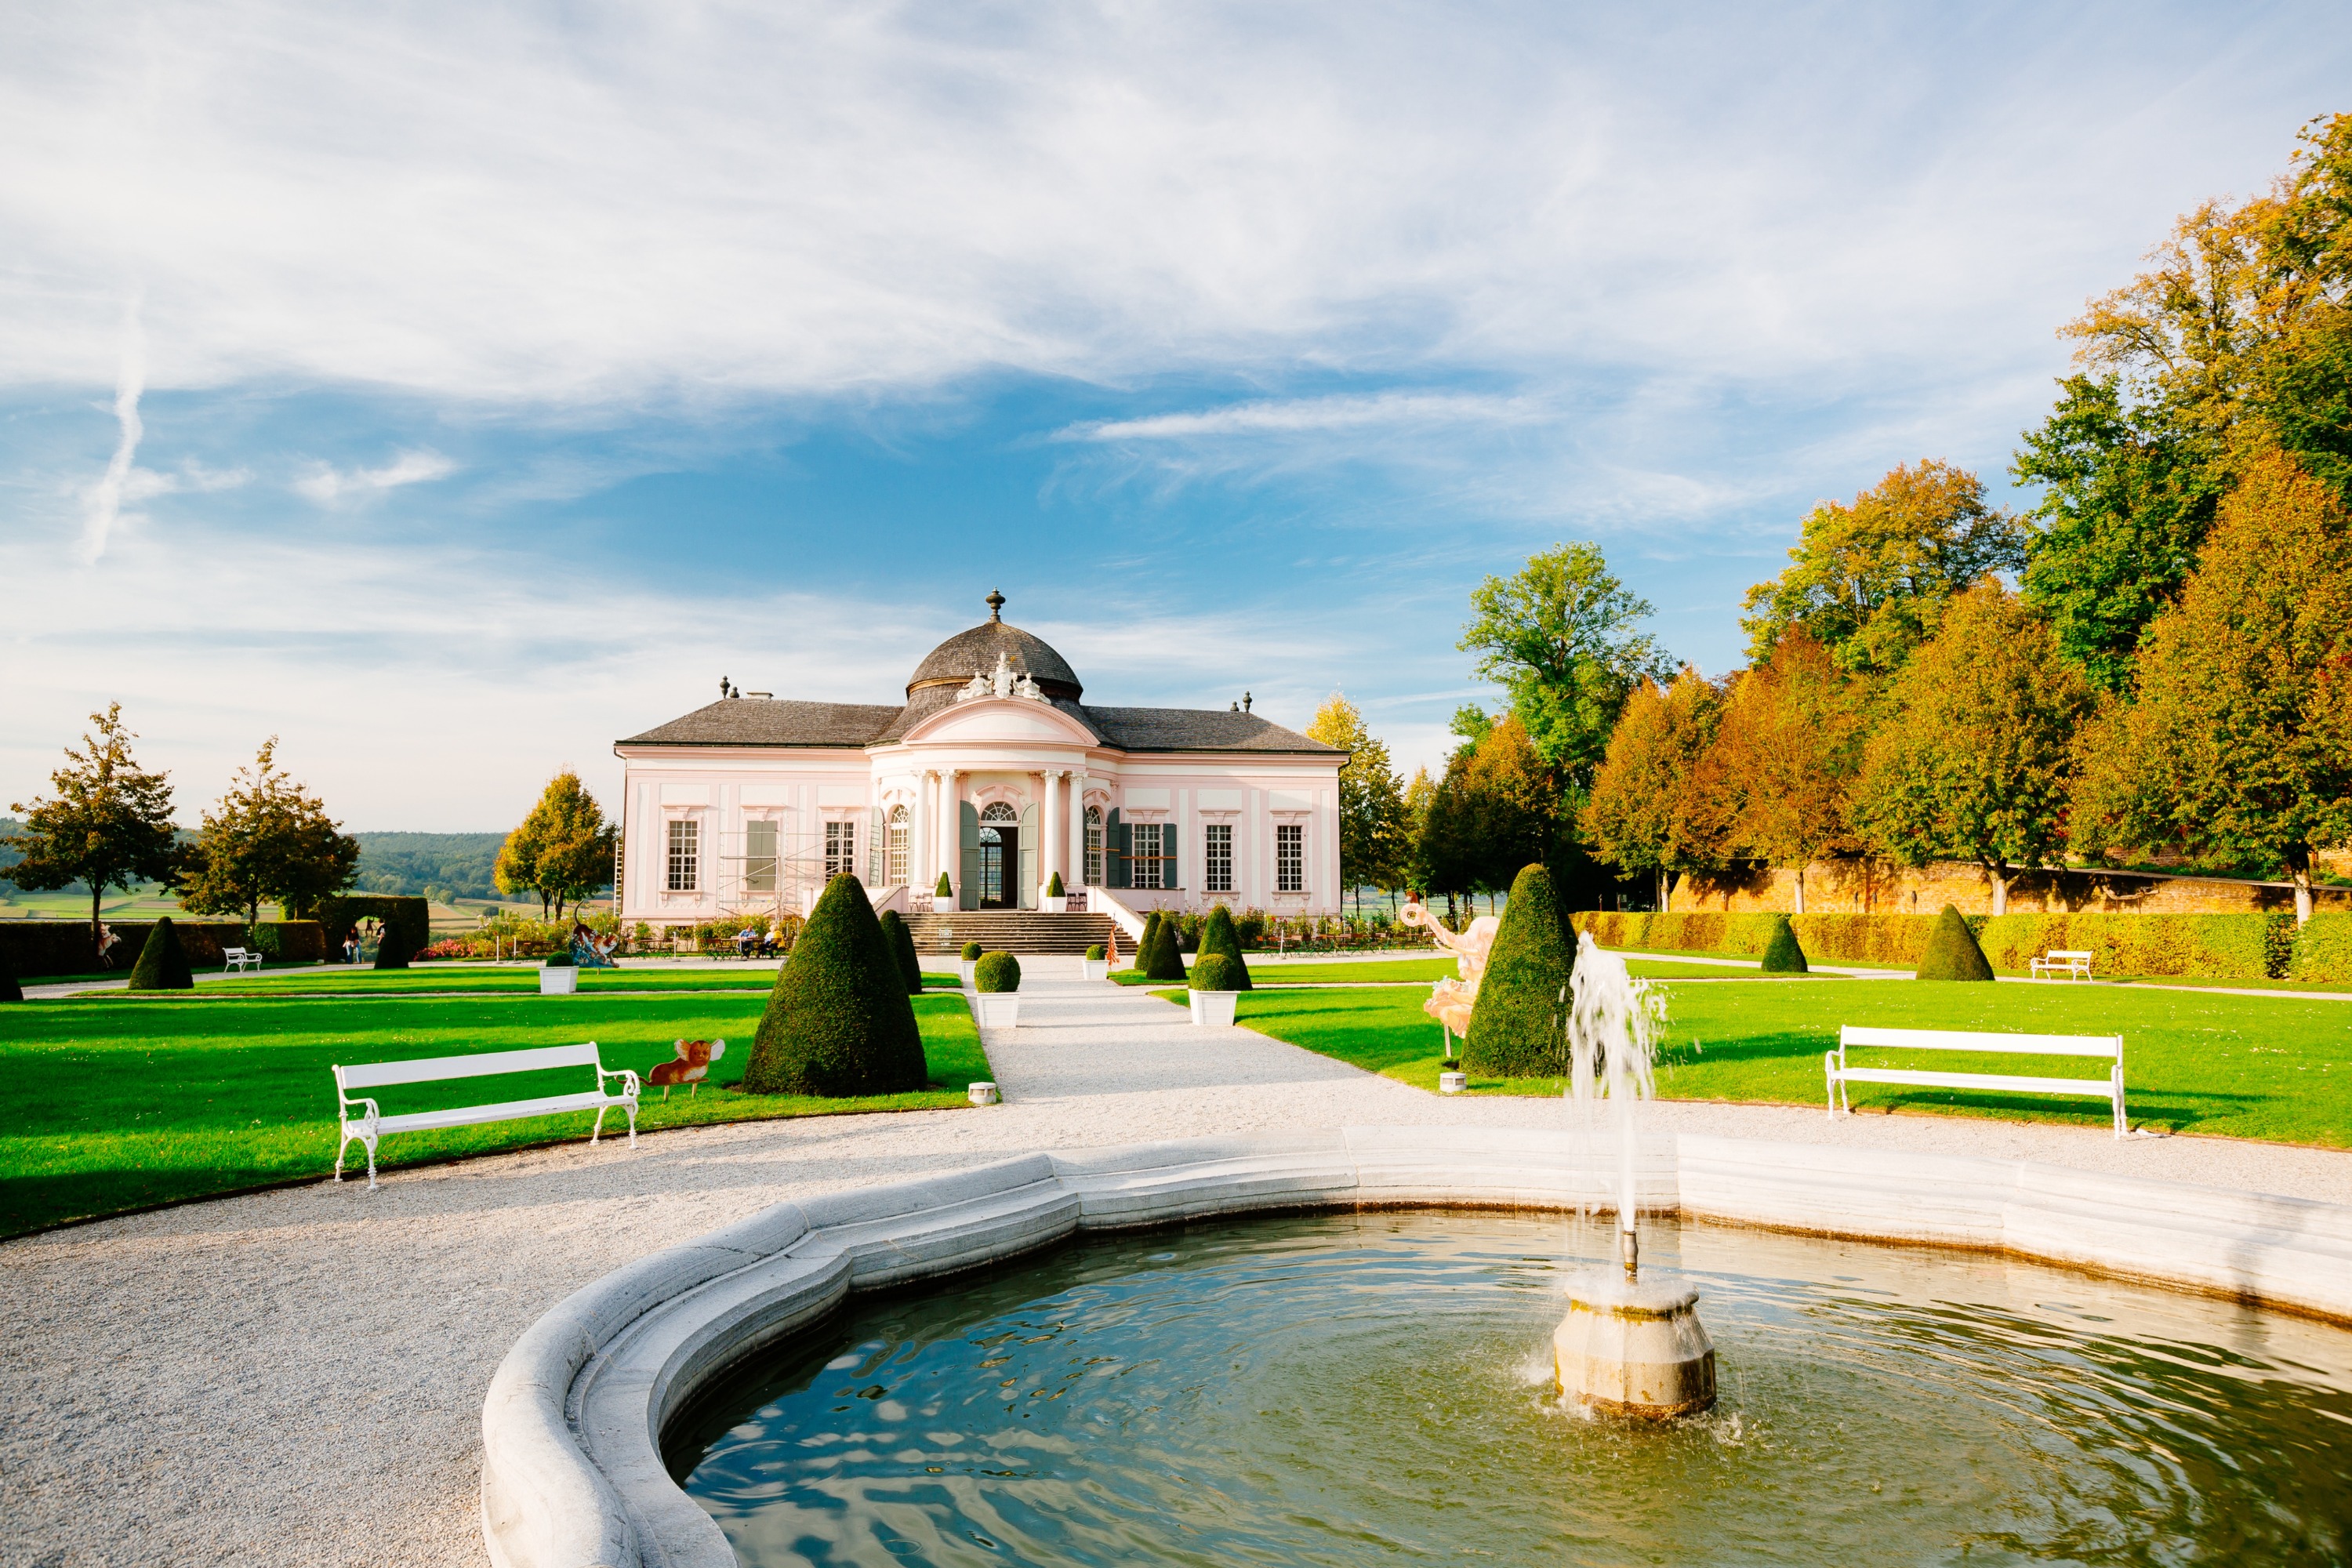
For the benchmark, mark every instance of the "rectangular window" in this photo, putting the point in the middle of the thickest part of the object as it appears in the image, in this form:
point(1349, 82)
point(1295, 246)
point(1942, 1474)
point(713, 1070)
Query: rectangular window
point(1290, 858)
point(840, 849)
point(759, 857)
point(1217, 872)
point(685, 855)
point(894, 875)
point(1146, 854)
point(1094, 877)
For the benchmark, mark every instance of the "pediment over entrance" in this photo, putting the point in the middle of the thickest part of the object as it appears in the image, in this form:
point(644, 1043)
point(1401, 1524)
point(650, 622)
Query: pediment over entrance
point(1000, 719)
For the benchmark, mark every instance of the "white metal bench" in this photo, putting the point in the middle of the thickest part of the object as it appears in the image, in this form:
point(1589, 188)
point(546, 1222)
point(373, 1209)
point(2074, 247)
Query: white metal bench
point(2110, 1088)
point(239, 958)
point(371, 1124)
point(2062, 961)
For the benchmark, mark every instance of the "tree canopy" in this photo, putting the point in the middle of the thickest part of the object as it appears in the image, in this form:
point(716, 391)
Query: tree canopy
point(1775, 783)
point(267, 840)
point(107, 824)
point(1643, 814)
point(1374, 830)
point(562, 851)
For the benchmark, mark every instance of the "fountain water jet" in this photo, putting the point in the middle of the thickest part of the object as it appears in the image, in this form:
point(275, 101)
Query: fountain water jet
point(1626, 1345)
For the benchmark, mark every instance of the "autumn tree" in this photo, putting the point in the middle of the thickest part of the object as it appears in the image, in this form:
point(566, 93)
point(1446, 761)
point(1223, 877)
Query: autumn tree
point(2238, 745)
point(1494, 811)
point(1774, 784)
point(1869, 579)
point(1640, 816)
point(1975, 759)
point(268, 839)
point(1373, 828)
point(107, 825)
point(563, 849)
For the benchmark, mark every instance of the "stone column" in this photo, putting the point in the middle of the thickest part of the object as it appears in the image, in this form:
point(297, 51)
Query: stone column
point(950, 830)
point(1047, 783)
point(918, 859)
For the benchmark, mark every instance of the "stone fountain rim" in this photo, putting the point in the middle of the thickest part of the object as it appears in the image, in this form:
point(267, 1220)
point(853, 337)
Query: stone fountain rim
point(573, 1474)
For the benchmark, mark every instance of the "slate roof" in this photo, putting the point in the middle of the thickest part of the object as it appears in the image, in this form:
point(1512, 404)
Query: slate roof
point(954, 661)
point(765, 722)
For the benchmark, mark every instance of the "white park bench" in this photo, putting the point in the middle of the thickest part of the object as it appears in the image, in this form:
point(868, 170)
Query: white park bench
point(239, 958)
point(370, 1124)
point(2110, 1088)
point(2061, 960)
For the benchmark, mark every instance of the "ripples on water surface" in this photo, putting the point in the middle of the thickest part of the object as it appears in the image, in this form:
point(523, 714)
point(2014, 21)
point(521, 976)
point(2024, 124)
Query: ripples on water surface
point(1376, 1388)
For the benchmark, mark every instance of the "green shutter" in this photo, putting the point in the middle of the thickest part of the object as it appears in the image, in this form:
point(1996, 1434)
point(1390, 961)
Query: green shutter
point(968, 885)
point(1116, 851)
point(1167, 877)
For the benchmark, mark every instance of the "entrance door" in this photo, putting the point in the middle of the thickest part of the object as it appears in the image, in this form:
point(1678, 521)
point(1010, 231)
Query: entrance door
point(999, 855)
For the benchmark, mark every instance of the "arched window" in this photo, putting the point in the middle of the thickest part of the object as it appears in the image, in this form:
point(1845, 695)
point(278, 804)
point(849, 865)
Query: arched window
point(999, 812)
point(1094, 846)
point(894, 871)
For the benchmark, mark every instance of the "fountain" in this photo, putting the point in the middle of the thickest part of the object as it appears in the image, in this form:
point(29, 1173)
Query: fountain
point(1626, 1345)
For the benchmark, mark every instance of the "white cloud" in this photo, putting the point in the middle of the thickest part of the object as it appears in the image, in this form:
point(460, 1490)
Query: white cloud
point(1313, 416)
point(102, 508)
point(328, 485)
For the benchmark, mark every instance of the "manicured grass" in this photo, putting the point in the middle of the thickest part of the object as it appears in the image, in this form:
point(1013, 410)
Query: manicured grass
point(493, 979)
point(1424, 970)
point(115, 1103)
point(2243, 1067)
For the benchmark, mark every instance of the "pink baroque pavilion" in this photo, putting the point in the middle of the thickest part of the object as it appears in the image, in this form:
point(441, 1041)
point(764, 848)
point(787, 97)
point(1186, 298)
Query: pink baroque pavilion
point(994, 772)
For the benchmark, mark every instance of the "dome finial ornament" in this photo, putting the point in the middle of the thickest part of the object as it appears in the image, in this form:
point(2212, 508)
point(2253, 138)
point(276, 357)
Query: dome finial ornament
point(995, 603)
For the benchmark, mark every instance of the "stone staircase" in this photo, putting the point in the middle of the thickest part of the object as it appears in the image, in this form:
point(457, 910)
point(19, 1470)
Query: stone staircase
point(1008, 931)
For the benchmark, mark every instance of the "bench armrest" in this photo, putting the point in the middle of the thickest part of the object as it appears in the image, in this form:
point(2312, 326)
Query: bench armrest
point(374, 1112)
point(630, 1092)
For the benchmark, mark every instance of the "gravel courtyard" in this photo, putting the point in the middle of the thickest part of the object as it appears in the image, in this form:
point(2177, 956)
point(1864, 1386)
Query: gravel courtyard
point(296, 1376)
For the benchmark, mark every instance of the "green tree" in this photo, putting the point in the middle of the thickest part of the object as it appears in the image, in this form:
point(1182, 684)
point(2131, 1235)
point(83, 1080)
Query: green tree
point(562, 851)
point(1975, 759)
point(108, 823)
point(2239, 744)
point(1516, 1027)
point(839, 1021)
point(1775, 782)
point(1641, 816)
point(267, 839)
point(1372, 823)
point(1869, 580)
point(1563, 637)
point(1220, 940)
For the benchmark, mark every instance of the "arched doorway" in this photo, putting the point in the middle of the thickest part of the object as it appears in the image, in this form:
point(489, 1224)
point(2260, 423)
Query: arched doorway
point(999, 857)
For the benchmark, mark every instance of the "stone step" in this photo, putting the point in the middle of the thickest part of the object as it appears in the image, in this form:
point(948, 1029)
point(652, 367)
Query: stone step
point(1009, 930)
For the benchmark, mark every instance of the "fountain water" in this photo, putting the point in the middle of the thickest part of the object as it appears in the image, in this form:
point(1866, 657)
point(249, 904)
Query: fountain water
point(1626, 1345)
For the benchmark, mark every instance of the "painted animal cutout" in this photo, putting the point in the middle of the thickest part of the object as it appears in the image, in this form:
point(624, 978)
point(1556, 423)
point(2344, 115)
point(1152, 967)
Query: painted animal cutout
point(1452, 1002)
point(692, 1065)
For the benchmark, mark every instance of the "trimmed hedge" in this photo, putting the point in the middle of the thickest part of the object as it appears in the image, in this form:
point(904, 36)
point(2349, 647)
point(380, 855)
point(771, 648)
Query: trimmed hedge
point(2323, 949)
point(1219, 972)
point(162, 964)
point(290, 942)
point(407, 924)
point(1516, 1027)
point(997, 974)
point(902, 948)
point(1054, 889)
point(2211, 947)
point(1218, 937)
point(9, 990)
point(34, 949)
point(1784, 955)
point(1952, 950)
point(838, 1022)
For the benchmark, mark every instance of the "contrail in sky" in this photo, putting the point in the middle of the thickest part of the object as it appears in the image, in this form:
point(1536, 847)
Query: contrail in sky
point(106, 496)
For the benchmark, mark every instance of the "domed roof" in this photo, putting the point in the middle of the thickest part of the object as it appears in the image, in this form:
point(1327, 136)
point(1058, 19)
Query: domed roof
point(953, 662)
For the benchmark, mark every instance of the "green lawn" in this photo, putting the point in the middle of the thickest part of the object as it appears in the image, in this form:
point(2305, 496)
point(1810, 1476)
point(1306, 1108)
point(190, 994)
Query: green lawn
point(1423, 971)
point(491, 979)
point(2241, 1067)
point(118, 1103)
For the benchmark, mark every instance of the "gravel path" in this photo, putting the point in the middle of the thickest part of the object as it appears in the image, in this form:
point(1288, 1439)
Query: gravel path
point(297, 1376)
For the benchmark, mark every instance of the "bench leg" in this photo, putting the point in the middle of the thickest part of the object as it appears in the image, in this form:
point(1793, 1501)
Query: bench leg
point(633, 1122)
point(598, 1130)
point(343, 1148)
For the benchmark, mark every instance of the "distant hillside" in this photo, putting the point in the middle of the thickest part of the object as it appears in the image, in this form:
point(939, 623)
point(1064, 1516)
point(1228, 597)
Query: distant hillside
point(456, 865)
point(8, 856)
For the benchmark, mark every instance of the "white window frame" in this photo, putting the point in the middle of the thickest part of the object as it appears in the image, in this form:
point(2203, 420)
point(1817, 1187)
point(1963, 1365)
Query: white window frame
point(840, 847)
point(1216, 856)
point(1148, 863)
point(1094, 841)
point(1290, 857)
point(682, 863)
point(899, 840)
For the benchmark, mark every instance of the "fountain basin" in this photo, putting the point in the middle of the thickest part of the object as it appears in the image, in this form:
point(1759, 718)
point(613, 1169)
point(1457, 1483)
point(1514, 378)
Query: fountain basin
point(1633, 1348)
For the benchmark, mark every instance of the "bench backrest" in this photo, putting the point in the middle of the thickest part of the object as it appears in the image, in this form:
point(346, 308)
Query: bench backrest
point(2069, 953)
point(484, 1064)
point(1955, 1040)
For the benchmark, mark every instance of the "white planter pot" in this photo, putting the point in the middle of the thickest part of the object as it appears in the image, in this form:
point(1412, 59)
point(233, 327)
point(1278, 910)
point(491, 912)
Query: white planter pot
point(984, 1094)
point(943, 906)
point(964, 966)
point(1453, 1082)
point(559, 980)
point(1213, 1009)
point(1055, 906)
point(1096, 968)
point(998, 1010)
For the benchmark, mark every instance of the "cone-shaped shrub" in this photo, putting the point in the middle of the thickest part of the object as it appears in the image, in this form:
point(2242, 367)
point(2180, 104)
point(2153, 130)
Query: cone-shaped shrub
point(163, 963)
point(998, 972)
point(1782, 955)
point(902, 948)
point(1144, 943)
point(1516, 1028)
point(1952, 952)
point(939, 889)
point(1162, 960)
point(838, 1022)
point(9, 990)
point(1219, 972)
point(1218, 936)
point(1054, 887)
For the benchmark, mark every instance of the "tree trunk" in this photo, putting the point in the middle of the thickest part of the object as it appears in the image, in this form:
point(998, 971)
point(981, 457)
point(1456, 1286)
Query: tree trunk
point(2298, 869)
point(1665, 892)
point(1800, 892)
point(96, 898)
point(1997, 873)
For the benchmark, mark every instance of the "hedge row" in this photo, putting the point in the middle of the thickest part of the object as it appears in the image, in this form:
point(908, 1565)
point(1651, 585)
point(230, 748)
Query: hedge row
point(32, 948)
point(2205, 947)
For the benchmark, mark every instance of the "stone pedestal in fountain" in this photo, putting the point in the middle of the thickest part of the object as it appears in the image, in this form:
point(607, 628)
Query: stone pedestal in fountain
point(1634, 1348)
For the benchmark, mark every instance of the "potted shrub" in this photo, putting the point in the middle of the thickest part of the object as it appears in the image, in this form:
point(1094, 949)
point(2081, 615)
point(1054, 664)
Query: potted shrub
point(942, 896)
point(558, 975)
point(1057, 902)
point(971, 957)
point(1095, 966)
point(996, 991)
point(1216, 985)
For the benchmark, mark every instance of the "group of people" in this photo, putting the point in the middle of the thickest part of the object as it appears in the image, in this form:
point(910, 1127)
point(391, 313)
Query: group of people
point(751, 942)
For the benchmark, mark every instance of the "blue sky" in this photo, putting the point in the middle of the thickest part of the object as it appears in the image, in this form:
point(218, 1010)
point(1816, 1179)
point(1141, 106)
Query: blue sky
point(450, 390)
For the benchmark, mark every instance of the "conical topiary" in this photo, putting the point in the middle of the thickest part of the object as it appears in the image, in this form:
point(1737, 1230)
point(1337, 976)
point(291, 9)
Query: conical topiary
point(1163, 959)
point(10, 990)
point(1952, 952)
point(902, 948)
point(1514, 1030)
point(1782, 955)
point(1144, 943)
point(163, 963)
point(1217, 935)
point(838, 1022)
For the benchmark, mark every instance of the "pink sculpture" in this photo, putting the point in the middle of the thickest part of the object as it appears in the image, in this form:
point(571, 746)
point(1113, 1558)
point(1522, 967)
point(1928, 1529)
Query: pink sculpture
point(1451, 1002)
